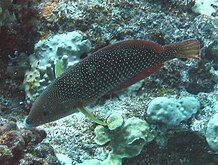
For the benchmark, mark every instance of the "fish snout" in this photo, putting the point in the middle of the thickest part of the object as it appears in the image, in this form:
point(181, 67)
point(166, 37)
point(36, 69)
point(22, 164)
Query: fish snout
point(26, 123)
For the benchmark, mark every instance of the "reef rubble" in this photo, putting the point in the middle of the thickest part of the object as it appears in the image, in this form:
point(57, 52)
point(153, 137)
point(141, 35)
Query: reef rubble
point(41, 43)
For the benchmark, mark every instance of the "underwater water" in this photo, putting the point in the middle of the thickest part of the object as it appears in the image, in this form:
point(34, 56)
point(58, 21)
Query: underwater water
point(109, 82)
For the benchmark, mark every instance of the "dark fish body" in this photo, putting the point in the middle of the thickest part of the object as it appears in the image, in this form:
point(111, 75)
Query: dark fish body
point(114, 67)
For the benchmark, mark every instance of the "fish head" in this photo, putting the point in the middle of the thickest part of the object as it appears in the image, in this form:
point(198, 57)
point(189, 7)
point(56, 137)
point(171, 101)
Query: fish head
point(45, 109)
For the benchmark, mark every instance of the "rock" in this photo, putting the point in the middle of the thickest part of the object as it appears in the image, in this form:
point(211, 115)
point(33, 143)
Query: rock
point(6, 125)
point(24, 147)
point(212, 133)
point(14, 141)
point(64, 159)
point(205, 7)
point(171, 111)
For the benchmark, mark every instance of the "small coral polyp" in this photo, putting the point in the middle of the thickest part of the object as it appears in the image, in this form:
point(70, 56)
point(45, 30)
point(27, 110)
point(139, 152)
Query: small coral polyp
point(51, 57)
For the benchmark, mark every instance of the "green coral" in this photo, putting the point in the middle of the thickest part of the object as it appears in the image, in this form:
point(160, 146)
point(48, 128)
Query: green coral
point(114, 121)
point(59, 68)
point(126, 139)
point(5, 152)
point(101, 135)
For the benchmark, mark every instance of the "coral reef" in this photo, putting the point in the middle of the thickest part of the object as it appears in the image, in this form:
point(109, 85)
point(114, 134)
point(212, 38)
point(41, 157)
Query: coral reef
point(205, 7)
point(200, 79)
point(127, 139)
point(17, 65)
point(6, 18)
point(171, 111)
point(211, 132)
point(182, 148)
point(23, 23)
point(18, 146)
point(111, 20)
point(18, 30)
point(51, 57)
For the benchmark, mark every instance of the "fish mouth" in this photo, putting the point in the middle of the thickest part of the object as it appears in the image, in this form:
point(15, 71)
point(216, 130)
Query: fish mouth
point(26, 124)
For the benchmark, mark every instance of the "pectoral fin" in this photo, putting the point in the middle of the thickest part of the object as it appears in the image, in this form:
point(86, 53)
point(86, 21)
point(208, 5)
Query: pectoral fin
point(91, 116)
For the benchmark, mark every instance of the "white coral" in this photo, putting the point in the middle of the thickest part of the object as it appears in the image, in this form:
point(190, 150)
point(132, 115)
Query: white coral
point(205, 7)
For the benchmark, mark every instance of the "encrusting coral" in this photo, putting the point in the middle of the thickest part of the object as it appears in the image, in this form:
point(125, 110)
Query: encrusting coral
point(19, 146)
point(126, 139)
point(51, 57)
point(171, 111)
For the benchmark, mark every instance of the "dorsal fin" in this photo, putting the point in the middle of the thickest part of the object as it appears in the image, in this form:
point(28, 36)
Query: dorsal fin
point(134, 44)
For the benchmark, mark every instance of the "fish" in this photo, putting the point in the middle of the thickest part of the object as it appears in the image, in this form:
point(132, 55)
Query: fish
point(111, 68)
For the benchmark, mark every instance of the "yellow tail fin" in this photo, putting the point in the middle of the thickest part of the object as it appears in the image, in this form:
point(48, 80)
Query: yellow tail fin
point(186, 49)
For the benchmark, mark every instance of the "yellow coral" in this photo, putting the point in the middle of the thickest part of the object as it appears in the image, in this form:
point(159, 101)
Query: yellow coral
point(48, 8)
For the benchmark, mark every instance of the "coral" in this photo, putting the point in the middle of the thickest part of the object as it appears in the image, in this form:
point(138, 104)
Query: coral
point(214, 51)
point(17, 65)
point(200, 79)
point(171, 111)
point(51, 57)
point(212, 130)
point(205, 7)
point(47, 10)
point(14, 142)
point(7, 126)
point(32, 83)
point(64, 159)
point(5, 153)
point(211, 53)
point(126, 139)
point(19, 146)
point(177, 6)
point(55, 10)
point(18, 31)
point(114, 121)
point(183, 148)
point(6, 17)
point(214, 74)
point(18, 26)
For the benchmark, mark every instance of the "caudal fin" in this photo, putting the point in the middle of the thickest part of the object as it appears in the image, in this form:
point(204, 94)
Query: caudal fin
point(186, 49)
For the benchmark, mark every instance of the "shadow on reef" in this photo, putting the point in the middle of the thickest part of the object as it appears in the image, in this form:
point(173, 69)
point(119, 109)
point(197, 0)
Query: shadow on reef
point(18, 26)
point(200, 79)
point(183, 148)
point(19, 32)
